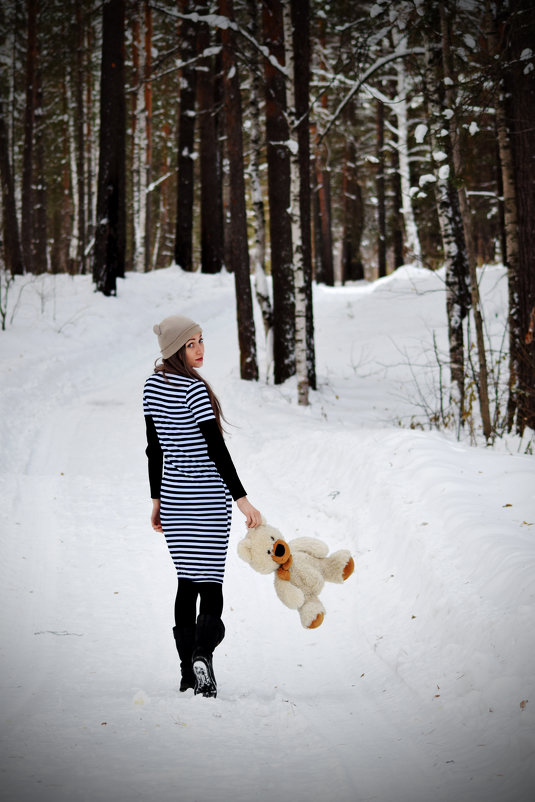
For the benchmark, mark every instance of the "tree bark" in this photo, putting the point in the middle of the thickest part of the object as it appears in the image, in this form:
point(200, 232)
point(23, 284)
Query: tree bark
point(109, 255)
point(279, 196)
point(238, 220)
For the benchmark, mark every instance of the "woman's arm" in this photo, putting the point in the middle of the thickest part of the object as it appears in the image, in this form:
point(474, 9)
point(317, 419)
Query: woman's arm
point(253, 517)
point(155, 457)
point(155, 516)
point(219, 454)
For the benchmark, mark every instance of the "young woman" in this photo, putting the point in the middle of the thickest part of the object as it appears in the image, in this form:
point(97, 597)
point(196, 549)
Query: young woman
point(192, 500)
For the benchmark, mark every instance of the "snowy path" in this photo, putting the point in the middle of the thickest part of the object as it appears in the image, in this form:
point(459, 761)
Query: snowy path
point(415, 687)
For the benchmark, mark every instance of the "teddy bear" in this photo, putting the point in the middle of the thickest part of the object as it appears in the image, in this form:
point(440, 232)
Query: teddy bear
point(301, 568)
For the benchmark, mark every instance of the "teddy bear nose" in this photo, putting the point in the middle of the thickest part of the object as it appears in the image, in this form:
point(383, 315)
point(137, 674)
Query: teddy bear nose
point(281, 551)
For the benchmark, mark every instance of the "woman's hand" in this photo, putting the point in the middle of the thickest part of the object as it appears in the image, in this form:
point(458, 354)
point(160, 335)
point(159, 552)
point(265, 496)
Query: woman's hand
point(155, 516)
point(252, 516)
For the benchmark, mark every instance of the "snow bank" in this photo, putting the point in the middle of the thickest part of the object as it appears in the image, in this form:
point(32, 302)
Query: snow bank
point(418, 686)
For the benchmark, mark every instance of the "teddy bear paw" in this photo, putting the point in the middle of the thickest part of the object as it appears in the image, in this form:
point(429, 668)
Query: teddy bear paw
point(349, 568)
point(318, 621)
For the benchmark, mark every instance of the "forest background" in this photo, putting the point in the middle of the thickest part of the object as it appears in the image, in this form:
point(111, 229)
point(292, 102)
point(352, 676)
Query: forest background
point(294, 141)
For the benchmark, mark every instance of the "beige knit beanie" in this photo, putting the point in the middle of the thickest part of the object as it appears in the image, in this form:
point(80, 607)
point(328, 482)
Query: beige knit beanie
point(174, 332)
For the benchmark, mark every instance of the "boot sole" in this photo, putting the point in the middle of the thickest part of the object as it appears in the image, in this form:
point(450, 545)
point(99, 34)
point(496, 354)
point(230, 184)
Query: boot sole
point(205, 683)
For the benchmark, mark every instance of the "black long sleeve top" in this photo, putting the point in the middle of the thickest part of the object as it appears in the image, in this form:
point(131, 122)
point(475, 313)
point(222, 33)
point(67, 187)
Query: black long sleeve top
point(217, 452)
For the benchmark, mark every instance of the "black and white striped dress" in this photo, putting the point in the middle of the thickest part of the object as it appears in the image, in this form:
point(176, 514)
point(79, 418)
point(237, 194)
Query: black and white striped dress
point(195, 502)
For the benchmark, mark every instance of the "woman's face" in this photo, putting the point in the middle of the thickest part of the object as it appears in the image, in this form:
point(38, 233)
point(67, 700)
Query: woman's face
point(195, 351)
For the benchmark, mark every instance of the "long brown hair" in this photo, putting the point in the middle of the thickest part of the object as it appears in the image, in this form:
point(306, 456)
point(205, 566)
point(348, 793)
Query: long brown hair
point(177, 364)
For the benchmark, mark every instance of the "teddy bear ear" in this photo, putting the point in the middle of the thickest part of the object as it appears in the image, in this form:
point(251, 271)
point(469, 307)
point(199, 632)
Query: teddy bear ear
point(244, 550)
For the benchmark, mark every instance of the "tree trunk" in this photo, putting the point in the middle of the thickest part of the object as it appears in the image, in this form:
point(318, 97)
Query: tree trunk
point(80, 188)
point(380, 186)
point(10, 225)
point(40, 244)
point(186, 142)
point(139, 187)
point(413, 248)
point(238, 220)
point(257, 201)
point(499, 189)
point(353, 210)
point(446, 19)
point(28, 195)
point(63, 210)
point(296, 23)
point(89, 141)
point(451, 225)
point(397, 222)
point(324, 253)
point(211, 201)
point(148, 135)
point(109, 256)
point(322, 182)
point(279, 196)
point(301, 44)
point(516, 132)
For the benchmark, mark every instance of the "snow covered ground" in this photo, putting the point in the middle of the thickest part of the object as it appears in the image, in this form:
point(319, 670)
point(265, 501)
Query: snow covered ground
point(419, 686)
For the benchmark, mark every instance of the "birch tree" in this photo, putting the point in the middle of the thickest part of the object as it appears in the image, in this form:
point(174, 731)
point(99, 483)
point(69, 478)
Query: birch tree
point(257, 200)
point(455, 258)
point(413, 248)
point(298, 247)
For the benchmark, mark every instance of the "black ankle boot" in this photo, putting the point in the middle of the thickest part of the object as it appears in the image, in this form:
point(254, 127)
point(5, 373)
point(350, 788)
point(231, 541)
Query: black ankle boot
point(209, 634)
point(185, 643)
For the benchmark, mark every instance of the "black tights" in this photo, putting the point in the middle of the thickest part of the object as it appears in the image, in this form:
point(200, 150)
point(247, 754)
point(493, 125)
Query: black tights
point(211, 594)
